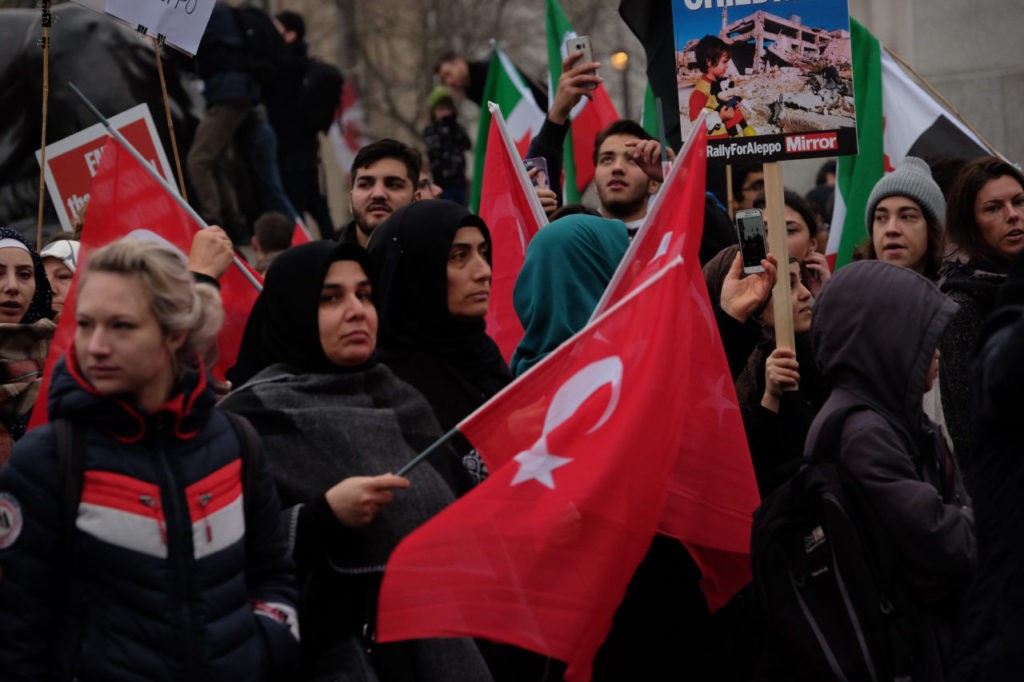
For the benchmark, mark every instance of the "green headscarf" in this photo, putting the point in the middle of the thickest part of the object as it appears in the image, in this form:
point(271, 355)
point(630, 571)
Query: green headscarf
point(567, 267)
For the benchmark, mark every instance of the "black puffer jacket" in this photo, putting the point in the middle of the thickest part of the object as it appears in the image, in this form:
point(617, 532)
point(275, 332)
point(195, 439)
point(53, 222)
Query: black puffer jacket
point(173, 574)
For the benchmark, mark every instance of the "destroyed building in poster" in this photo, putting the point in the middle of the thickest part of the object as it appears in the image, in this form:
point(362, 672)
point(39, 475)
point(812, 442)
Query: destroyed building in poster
point(789, 76)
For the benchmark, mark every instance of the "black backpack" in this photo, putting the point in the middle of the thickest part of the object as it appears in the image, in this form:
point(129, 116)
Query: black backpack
point(823, 570)
point(321, 94)
point(263, 44)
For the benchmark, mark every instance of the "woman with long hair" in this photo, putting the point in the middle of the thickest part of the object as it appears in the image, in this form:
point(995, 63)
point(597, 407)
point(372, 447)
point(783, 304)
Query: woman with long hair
point(985, 220)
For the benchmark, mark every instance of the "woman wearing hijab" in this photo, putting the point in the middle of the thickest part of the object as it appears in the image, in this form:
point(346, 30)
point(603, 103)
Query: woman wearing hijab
point(432, 270)
point(26, 329)
point(335, 423)
point(566, 270)
point(60, 257)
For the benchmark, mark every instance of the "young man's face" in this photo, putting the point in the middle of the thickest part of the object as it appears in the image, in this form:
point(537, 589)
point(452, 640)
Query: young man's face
point(622, 186)
point(454, 74)
point(378, 190)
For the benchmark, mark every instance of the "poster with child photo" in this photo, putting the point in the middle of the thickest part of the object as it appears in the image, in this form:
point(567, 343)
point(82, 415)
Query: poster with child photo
point(776, 78)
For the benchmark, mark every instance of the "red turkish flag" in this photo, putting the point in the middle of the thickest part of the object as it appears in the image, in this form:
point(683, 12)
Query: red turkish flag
point(673, 225)
point(714, 528)
point(300, 235)
point(581, 450)
point(124, 200)
point(513, 214)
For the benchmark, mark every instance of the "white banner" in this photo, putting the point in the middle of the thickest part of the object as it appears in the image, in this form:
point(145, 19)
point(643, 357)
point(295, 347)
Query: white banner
point(180, 22)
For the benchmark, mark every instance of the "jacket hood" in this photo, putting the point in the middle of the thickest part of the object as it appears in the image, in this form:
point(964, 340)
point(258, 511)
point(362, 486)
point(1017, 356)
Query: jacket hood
point(875, 330)
point(185, 412)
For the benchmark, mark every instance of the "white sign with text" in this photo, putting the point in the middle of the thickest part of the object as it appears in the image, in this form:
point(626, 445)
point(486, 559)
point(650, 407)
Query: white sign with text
point(180, 22)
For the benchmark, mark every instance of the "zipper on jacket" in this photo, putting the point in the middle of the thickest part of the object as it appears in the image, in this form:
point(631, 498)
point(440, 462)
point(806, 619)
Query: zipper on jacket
point(154, 504)
point(180, 553)
point(204, 500)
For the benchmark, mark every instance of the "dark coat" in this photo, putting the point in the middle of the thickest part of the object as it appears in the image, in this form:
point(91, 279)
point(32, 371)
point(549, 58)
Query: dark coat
point(874, 349)
point(174, 576)
point(973, 287)
point(322, 423)
point(991, 630)
point(221, 58)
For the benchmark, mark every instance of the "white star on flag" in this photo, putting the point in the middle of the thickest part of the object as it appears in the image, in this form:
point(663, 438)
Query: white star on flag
point(537, 465)
point(717, 399)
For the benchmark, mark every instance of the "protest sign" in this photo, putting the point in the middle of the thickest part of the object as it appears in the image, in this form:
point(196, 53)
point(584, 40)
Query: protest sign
point(180, 22)
point(776, 86)
point(72, 162)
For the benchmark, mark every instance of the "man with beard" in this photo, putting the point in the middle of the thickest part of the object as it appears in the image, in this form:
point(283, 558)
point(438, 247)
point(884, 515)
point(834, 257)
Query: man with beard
point(627, 171)
point(385, 174)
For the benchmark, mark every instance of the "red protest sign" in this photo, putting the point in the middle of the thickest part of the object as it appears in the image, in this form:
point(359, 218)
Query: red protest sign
point(72, 162)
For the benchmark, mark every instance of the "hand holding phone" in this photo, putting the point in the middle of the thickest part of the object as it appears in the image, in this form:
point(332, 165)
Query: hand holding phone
point(540, 178)
point(581, 44)
point(750, 226)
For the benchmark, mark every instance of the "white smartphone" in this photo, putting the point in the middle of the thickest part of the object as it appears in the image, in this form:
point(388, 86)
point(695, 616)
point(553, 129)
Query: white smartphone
point(750, 226)
point(581, 44)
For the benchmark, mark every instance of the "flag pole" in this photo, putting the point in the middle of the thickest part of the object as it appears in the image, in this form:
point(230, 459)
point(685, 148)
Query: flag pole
point(775, 218)
point(937, 95)
point(46, 21)
point(116, 134)
point(662, 137)
point(412, 463)
point(158, 42)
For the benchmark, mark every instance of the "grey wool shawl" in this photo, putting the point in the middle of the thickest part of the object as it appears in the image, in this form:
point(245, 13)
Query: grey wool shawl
point(318, 429)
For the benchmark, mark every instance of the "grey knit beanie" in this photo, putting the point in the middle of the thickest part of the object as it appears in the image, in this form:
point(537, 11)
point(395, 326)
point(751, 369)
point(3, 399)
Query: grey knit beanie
point(912, 179)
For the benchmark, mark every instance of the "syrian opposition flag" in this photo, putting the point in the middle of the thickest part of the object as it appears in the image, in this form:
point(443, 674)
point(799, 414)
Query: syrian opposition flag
point(580, 450)
point(896, 118)
point(513, 214)
point(649, 114)
point(347, 133)
point(505, 87)
point(126, 200)
point(587, 118)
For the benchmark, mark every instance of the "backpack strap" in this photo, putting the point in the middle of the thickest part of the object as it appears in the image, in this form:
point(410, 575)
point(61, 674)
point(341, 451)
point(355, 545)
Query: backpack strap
point(883, 552)
point(71, 465)
point(251, 449)
point(826, 447)
point(70, 437)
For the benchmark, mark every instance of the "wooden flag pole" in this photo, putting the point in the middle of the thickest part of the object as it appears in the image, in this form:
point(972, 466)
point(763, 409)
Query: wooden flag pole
point(47, 20)
point(729, 198)
point(157, 44)
point(775, 223)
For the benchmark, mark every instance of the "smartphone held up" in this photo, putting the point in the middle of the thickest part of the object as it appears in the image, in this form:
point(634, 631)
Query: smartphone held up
point(753, 246)
point(581, 44)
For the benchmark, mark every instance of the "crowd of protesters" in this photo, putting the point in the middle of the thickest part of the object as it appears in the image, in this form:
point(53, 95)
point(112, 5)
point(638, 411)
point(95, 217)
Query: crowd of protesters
point(167, 526)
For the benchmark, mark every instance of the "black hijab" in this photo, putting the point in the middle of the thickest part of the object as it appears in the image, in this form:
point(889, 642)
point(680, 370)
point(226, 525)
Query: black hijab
point(409, 261)
point(41, 305)
point(284, 323)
